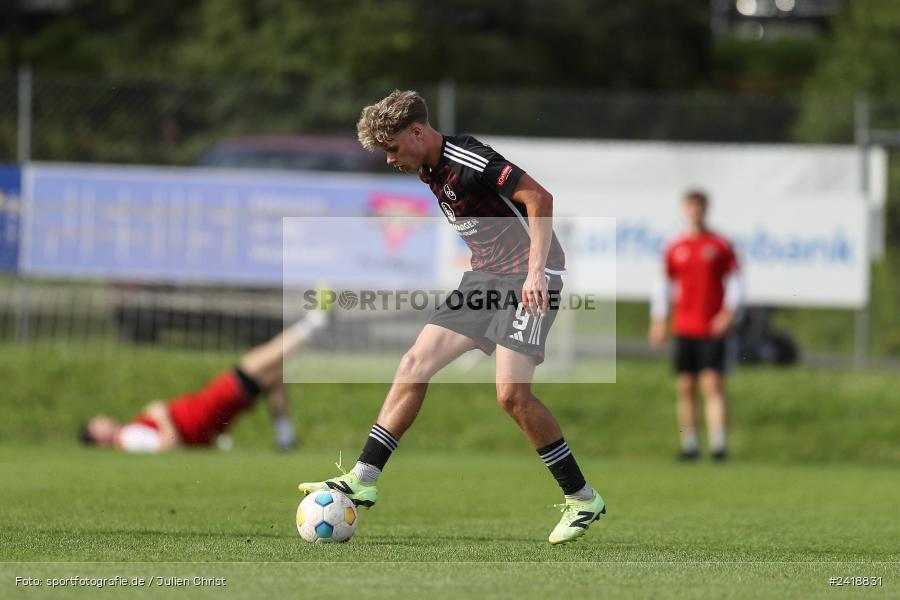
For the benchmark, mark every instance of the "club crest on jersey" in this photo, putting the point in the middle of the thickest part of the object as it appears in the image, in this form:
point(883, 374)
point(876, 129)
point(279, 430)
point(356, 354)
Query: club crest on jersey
point(448, 191)
point(451, 216)
point(709, 252)
point(681, 254)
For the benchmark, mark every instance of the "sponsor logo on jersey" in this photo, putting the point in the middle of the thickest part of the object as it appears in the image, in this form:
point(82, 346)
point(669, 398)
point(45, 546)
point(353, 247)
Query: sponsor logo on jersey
point(466, 228)
point(504, 174)
point(451, 216)
point(448, 191)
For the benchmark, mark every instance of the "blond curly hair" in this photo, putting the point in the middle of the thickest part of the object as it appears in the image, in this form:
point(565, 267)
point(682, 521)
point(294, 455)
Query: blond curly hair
point(383, 120)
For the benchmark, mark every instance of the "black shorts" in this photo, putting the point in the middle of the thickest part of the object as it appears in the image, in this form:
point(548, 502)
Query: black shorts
point(487, 308)
point(693, 355)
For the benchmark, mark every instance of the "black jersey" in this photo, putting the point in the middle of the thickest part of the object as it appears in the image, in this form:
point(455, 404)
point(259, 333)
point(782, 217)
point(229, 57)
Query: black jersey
point(474, 185)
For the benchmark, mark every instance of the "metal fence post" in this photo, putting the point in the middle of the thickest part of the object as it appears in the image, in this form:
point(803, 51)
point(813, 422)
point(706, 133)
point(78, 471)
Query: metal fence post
point(447, 107)
point(718, 17)
point(24, 155)
point(862, 318)
point(24, 115)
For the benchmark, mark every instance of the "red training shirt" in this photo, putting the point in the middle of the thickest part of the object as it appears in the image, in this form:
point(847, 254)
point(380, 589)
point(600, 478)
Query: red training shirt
point(699, 266)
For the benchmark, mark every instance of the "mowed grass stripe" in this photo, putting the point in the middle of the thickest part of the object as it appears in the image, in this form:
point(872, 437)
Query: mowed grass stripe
point(791, 415)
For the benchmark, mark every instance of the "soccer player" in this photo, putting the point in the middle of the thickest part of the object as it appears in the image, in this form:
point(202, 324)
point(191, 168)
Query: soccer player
point(504, 216)
point(197, 418)
point(704, 269)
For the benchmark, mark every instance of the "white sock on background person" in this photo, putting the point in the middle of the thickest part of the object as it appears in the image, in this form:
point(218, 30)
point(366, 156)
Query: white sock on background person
point(689, 441)
point(717, 440)
point(312, 321)
point(284, 432)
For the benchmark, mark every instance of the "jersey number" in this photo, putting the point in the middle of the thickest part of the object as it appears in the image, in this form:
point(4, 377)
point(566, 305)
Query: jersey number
point(522, 317)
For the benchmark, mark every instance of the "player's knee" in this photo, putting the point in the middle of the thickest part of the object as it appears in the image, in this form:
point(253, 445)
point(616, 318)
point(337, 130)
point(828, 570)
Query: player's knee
point(713, 391)
point(513, 398)
point(711, 383)
point(687, 385)
point(413, 368)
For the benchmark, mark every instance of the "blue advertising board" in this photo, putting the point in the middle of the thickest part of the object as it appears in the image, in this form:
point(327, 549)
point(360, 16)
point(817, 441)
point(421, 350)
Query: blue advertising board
point(196, 226)
point(10, 206)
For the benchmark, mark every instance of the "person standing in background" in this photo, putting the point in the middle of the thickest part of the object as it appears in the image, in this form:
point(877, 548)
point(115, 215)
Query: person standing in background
point(701, 268)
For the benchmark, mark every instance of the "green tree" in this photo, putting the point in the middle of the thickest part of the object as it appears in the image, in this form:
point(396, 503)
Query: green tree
point(646, 44)
point(119, 37)
point(862, 59)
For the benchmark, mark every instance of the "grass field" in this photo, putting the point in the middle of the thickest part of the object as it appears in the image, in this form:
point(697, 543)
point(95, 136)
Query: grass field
point(448, 524)
point(811, 492)
point(786, 415)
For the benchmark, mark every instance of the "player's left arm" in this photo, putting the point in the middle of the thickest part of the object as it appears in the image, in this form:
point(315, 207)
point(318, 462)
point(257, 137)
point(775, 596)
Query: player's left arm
point(539, 204)
point(734, 294)
point(510, 181)
point(168, 434)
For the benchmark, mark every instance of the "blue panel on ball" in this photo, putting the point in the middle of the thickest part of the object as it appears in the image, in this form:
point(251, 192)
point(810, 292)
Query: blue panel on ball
point(324, 530)
point(324, 499)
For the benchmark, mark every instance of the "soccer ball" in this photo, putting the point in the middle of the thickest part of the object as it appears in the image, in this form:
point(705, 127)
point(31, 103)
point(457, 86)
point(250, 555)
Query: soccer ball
point(326, 516)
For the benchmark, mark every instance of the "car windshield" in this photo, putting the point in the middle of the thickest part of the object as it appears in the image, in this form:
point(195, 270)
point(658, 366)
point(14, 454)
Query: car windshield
point(302, 160)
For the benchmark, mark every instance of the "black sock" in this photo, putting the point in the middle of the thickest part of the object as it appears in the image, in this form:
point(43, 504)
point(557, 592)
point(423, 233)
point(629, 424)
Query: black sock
point(250, 386)
point(378, 448)
point(561, 463)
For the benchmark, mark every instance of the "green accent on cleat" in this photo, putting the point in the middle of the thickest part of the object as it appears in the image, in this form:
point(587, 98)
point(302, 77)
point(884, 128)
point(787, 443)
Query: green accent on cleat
point(577, 517)
point(361, 494)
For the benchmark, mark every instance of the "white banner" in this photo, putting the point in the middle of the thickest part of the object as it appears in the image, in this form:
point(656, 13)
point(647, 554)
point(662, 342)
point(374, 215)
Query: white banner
point(729, 172)
point(794, 213)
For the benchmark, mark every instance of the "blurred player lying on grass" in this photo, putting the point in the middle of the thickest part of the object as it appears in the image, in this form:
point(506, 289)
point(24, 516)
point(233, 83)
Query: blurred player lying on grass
point(197, 418)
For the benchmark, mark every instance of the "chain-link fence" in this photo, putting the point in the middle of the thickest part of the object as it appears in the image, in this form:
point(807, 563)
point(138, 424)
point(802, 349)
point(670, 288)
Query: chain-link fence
point(173, 122)
point(109, 314)
point(164, 122)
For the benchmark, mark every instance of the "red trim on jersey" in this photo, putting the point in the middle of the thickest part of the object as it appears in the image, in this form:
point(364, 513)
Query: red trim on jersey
point(201, 415)
point(698, 265)
point(143, 419)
